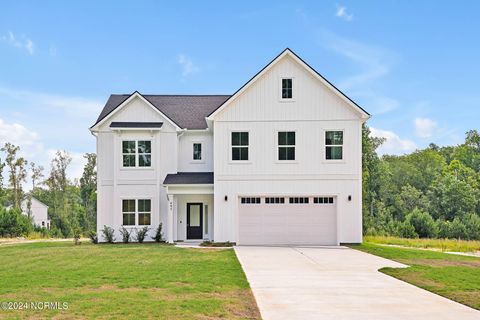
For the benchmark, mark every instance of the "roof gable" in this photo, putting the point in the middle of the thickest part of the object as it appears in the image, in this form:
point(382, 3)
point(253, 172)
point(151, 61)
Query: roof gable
point(287, 52)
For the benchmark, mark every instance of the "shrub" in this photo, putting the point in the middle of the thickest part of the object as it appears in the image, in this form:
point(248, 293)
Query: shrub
point(93, 237)
point(423, 223)
point(472, 226)
point(126, 234)
point(76, 235)
point(443, 228)
point(159, 234)
point(457, 229)
point(13, 223)
point(407, 230)
point(108, 234)
point(142, 233)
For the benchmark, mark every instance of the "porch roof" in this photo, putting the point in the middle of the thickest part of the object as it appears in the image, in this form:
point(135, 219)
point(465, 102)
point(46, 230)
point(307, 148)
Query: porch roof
point(189, 178)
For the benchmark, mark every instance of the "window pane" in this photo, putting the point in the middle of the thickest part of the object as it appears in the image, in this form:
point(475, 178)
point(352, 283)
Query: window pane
point(235, 153)
point(235, 138)
point(145, 160)
point(244, 153)
point(282, 138)
point(144, 219)
point(128, 206)
point(144, 147)
point(282, 153)
point(128, 146)
point(334, 153)
point(128, 219)
point(144, 205)
point(334, 137)
point(286, 88)
point(197, 151)
point(290, 153)
point(244, 138)
point(291, 138)
point(129, 160)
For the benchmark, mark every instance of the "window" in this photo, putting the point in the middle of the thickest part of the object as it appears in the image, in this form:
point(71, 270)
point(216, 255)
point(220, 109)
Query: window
point(128, 211)
point(334, 145)
point(132, 208)
point(137, 152)
point(274, 200)
point(197, 151)
point(239, 146)
point(303, 200)
point(250, 200)
point(206, 219)
point(323, 200)
point(286, 145)
point(287, 89)
point(144, 212)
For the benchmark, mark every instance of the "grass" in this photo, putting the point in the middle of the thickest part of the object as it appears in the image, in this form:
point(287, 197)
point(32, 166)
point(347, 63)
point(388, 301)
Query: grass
point(131, 281)
point(452, 276)
point(440, 244)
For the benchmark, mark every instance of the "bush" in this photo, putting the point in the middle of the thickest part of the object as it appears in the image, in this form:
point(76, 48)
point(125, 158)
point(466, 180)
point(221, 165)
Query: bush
point(457, 229)
point(108, 234)
point(443, 229)
point(407, 230)
point(14, 224)
point(159, 234)
point(76, 236)
point(142, 233)
point(93, 237)
point(126, 234)
point(423, 223)
point(472, 226)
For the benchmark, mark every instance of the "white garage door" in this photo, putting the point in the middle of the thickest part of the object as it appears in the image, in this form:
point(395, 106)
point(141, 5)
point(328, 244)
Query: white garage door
point(287, 220)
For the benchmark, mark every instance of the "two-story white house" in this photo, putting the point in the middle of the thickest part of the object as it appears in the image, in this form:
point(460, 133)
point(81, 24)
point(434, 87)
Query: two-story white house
point(277, 162)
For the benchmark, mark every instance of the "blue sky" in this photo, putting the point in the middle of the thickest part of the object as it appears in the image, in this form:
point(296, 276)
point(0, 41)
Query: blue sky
point(412, 65)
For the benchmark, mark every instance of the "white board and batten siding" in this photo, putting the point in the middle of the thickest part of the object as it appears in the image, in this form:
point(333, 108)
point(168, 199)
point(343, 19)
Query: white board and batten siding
point(261, 111)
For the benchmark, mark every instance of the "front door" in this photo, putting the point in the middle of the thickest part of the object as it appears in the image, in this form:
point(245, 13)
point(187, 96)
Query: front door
point(194, 220)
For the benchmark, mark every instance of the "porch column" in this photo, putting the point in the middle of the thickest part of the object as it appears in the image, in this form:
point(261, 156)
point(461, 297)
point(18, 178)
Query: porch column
point(170, 219)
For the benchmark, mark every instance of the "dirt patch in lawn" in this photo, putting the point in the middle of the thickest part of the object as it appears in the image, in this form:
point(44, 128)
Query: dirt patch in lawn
point(471, 298)
point(445, 263)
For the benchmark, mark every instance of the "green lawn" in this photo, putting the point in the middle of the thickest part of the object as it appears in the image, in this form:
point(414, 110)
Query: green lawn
point(452, 276)
point(130, 281)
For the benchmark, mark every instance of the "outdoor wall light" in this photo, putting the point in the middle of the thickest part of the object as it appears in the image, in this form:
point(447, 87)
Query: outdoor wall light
point(349, 198)
point(226, 198)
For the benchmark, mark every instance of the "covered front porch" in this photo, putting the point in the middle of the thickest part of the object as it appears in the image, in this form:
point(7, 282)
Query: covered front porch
point(190, 206)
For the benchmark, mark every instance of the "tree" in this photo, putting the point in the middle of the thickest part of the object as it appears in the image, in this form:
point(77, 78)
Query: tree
point(18, 172)
point(422, 222)
point(88, 188)
point(36, 174)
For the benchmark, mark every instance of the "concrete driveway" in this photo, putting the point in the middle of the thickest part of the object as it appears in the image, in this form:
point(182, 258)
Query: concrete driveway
point(337, 283)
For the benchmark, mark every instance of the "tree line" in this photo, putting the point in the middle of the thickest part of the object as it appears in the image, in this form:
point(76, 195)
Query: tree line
point(430, 193)
point(72, 203)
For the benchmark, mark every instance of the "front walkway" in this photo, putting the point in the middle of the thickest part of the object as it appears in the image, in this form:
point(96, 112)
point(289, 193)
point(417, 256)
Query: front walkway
point(337, 283)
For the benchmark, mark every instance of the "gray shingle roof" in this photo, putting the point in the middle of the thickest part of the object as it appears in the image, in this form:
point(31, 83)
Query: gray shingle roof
point(136, 124)
point(187, 111)
point(189, 178)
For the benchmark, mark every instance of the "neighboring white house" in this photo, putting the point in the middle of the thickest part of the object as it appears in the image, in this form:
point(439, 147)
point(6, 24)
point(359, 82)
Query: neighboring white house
point(38, 211)
point(277, 162)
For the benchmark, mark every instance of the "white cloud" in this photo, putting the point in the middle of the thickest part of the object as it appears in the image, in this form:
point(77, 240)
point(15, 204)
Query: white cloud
point(343, 14)
point(188, 67)
point(393, 143)
point(425, 127)
point(21, 42)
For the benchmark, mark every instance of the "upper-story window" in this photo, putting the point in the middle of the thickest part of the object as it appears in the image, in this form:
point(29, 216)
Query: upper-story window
point(333, 145)
point(286, 145)
point(137, 153)
point(287, 88)
point(239, 146)
point(197, 151)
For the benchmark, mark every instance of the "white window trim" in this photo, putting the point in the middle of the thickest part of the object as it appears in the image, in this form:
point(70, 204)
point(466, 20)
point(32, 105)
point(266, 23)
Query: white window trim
point(137, 155)
point(199, 161)
point(294, 89)
point(277, 146)
point(136, 225)
point(324, 147)
point(230, 146)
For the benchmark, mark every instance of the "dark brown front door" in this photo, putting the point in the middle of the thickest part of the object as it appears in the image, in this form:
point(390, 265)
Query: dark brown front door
point(194, 221)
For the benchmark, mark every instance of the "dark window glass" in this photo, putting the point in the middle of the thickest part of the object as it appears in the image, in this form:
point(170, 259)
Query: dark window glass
point(128, 150)
point(197, 151)
point(334, 153)
point(144, 219)
point(287, 90)
point(334, 145)
point(239, 145)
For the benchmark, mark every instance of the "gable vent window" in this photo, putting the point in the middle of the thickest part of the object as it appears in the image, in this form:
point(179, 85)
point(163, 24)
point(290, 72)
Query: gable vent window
point(274, 200)
point(286, 145)
point(197, 151)
point(323, 200)
point(302, 200)
point(239, 146)
point(287, 89)
point(333, 145)
point(250, 200)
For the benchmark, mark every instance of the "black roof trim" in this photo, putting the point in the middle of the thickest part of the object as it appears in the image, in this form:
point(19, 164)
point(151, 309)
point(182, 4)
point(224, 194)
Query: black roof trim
point(136, 124)
point(189, 178)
